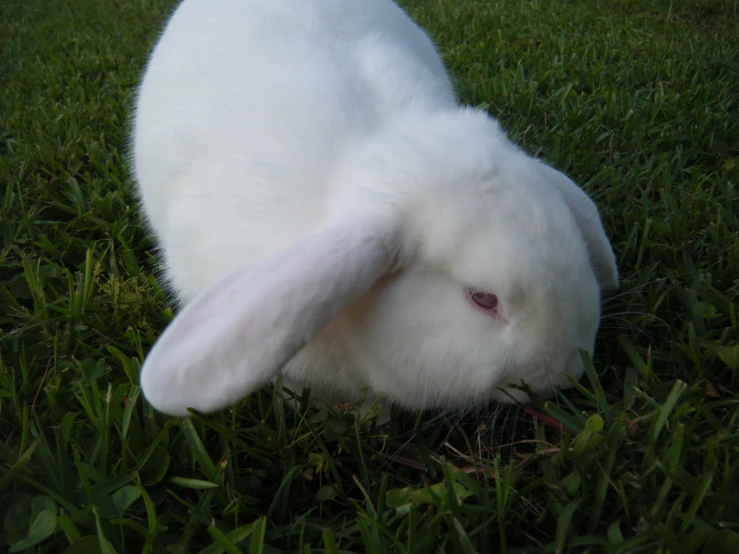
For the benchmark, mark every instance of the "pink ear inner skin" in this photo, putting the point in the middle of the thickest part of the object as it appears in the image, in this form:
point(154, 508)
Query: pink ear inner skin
point(240, 331)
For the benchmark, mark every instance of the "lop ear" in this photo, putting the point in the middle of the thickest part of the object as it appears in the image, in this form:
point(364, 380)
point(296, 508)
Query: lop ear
point(588, 220)
point(239, 332)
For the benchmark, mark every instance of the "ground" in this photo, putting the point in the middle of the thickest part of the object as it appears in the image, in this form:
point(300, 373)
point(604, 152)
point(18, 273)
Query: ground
point(635, 99)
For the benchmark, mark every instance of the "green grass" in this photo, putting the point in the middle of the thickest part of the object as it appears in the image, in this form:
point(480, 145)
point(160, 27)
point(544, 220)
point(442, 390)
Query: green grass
point(636, 99)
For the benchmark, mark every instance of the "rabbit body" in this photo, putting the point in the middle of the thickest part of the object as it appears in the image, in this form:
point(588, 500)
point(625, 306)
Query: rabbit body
point(245, 109)
point(259, 125)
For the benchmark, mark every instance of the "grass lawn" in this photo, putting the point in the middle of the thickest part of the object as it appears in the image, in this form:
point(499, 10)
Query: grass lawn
point(637, 100)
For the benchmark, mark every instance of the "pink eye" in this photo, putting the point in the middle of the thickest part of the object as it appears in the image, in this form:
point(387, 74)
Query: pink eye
point(484, 301)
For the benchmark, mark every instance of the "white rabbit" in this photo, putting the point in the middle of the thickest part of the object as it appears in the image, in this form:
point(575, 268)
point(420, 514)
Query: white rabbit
point(326, 208)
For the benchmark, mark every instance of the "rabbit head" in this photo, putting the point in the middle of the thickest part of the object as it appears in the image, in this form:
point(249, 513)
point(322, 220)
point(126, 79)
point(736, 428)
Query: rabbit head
point(453, 266)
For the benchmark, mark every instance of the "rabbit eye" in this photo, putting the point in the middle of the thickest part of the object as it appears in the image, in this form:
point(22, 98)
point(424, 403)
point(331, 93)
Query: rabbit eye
point(483, 300)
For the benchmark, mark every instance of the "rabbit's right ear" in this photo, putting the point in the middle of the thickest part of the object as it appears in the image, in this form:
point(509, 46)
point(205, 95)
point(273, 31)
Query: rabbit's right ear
point(239, 332)
point(588, 221)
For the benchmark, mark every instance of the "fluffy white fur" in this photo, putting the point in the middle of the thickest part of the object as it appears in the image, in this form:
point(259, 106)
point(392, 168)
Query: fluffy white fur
point(322, 200)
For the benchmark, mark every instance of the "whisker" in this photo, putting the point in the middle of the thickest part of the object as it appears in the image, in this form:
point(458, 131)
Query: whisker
point(652, 316)
point(633, 289)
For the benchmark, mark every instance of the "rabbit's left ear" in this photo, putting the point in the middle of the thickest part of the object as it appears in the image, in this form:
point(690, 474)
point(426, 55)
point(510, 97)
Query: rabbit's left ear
point(588, 221)
point(238, 333)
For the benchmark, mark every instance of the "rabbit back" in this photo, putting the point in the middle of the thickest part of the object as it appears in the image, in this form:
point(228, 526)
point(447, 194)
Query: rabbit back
point(245, 108)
